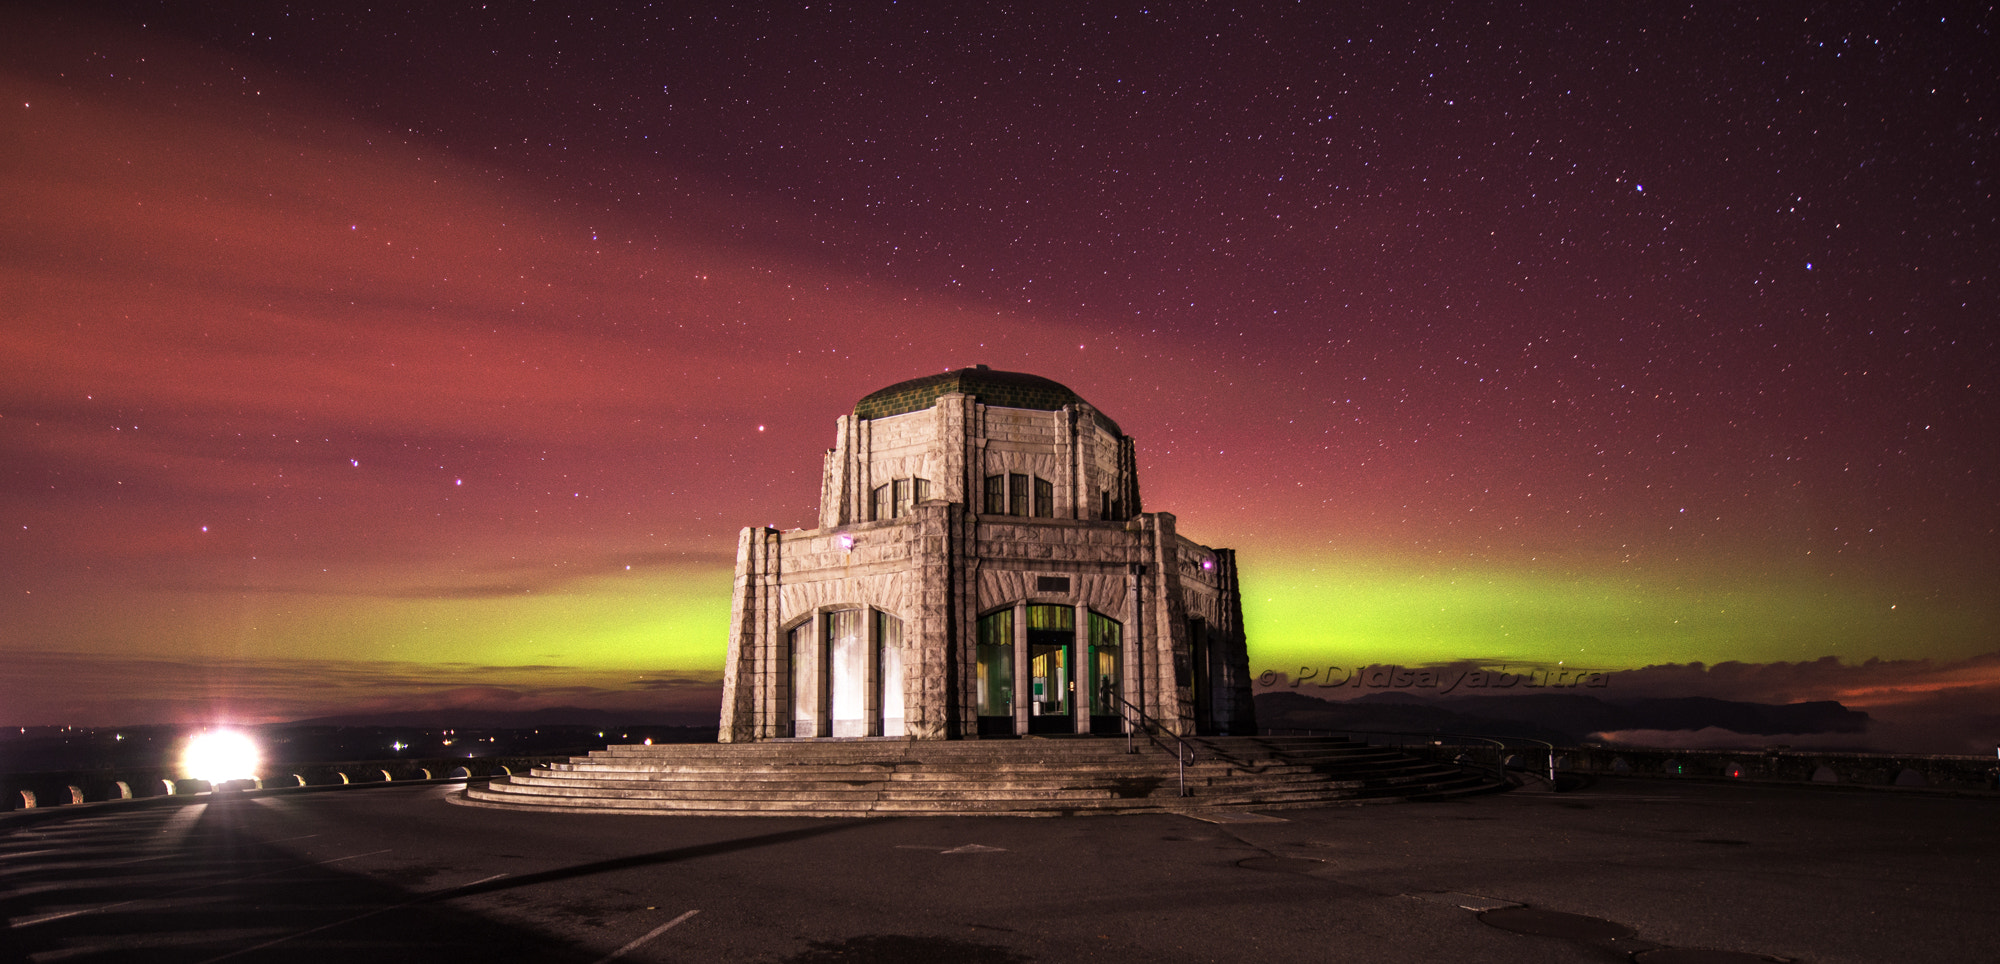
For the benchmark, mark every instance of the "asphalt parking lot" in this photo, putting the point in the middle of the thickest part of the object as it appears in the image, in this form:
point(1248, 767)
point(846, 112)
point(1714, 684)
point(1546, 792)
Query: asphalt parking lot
point(1621, 870)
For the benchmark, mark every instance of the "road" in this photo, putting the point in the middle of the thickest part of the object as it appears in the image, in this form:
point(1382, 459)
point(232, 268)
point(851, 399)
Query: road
point(397, 873)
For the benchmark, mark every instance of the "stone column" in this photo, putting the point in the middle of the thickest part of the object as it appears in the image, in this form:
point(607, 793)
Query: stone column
point(741, 689)
point(1024, 690)
point(1080, 670)
point(860, 471)
point(834, 481)
point(928, 638)
point(871, 672)
point(954, 449)
point(1174, 671)
point(1133, 638)
point(1084, 486)
point(1235, 645)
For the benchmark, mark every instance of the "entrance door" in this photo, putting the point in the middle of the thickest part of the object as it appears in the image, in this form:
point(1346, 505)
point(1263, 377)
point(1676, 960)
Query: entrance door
point(1051, 639)
point(1048, 666)
point(1204, 678)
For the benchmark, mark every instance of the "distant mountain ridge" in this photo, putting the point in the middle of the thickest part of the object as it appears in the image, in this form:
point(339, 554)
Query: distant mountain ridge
point(512, 719)
point(1569, 718)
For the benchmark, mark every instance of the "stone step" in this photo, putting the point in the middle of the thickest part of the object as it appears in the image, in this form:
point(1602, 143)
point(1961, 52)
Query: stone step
point(968, 771)
point(1027, 776)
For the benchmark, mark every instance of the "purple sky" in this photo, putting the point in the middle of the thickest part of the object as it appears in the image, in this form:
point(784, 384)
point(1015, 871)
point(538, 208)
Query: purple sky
point(383, 357)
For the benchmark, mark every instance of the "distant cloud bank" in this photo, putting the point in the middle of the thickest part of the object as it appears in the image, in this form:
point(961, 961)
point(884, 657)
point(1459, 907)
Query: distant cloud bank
point(1915, 705)
point(43, 689)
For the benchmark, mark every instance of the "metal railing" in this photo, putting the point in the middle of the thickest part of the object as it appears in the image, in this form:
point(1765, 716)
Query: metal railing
point(1182, 750)
point(1438, 739)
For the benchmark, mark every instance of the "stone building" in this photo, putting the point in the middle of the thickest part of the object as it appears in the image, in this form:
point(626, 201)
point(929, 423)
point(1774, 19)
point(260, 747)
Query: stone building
point(981, 568)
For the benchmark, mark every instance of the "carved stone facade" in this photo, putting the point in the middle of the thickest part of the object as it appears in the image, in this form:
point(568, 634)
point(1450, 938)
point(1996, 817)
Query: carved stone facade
point(981, 568)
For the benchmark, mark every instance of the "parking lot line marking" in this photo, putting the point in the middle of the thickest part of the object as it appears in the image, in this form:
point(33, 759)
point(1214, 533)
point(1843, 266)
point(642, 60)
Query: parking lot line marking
point(655, 932)
point(438, 895)
point(237, 880)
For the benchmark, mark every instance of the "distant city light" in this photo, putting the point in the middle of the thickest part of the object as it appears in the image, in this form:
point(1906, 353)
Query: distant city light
point(219, 756)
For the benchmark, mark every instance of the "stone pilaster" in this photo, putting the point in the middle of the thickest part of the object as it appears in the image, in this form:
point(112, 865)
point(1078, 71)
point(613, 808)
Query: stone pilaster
point(1234, 658)
point(926, 703)
point(961, 676)
point(954, 437)
point(1172, 656)
point(745, 683)
point(834, 483)
point(1084, 483)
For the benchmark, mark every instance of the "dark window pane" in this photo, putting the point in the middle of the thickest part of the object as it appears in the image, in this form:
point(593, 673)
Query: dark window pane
point(1017, 486)
point(996, 494)
point(1045, 499)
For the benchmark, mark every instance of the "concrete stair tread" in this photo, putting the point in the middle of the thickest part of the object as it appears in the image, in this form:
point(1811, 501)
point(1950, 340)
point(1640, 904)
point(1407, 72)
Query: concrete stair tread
point(1028, 776)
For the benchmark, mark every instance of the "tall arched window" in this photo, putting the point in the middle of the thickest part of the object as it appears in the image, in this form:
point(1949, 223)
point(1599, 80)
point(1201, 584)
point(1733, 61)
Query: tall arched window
point(846, 675)
point(896, 499)
point(1107, 654)
point(995, 673)
point(889, 642)
point(1019, 494)
point(805, 692)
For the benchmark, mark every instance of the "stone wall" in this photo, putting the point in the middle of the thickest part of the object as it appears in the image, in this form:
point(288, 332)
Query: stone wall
point(942, 565)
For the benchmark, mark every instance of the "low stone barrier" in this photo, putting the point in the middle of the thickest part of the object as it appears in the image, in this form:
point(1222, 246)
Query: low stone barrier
point(1961, 773)
point(1790, 766)
point(25, 791)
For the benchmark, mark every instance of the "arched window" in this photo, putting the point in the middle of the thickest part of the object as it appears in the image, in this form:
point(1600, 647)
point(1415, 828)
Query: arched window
point(1107, 654)
point(1020, 494)
point(845, 675)
point(893, 500)
point(995, 659)
point(889, 642)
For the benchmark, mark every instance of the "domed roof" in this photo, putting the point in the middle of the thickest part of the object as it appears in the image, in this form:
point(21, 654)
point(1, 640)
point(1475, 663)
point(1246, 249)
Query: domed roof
point(1005, 389)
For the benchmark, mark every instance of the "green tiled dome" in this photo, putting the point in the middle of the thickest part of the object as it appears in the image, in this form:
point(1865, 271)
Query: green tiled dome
point(1005, 389)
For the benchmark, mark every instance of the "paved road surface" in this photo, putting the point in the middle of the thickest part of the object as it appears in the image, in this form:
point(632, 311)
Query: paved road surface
point(398, 874)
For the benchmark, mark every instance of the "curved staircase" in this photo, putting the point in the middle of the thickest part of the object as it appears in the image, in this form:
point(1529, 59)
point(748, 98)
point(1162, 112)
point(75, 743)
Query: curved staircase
point(1033, 777)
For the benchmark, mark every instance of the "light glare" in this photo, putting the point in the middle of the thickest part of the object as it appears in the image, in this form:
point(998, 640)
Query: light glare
point(219, 756)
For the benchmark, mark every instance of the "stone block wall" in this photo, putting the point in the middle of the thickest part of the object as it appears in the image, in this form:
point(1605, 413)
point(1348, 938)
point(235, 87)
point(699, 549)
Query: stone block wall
point(938, 568)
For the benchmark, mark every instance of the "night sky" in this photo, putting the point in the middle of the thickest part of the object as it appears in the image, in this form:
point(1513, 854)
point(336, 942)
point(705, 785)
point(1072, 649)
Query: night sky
point(381, 359)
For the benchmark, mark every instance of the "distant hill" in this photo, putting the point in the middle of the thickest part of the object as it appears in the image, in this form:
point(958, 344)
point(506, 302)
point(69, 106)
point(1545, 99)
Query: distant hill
point(1566, 718)
point(512, 719)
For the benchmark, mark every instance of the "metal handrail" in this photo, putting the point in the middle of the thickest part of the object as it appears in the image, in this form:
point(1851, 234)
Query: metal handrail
point(1433, 737)
point(1183, 752)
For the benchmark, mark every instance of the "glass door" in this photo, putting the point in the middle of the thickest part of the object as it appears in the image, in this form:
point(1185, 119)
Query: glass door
point(1051, 636)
